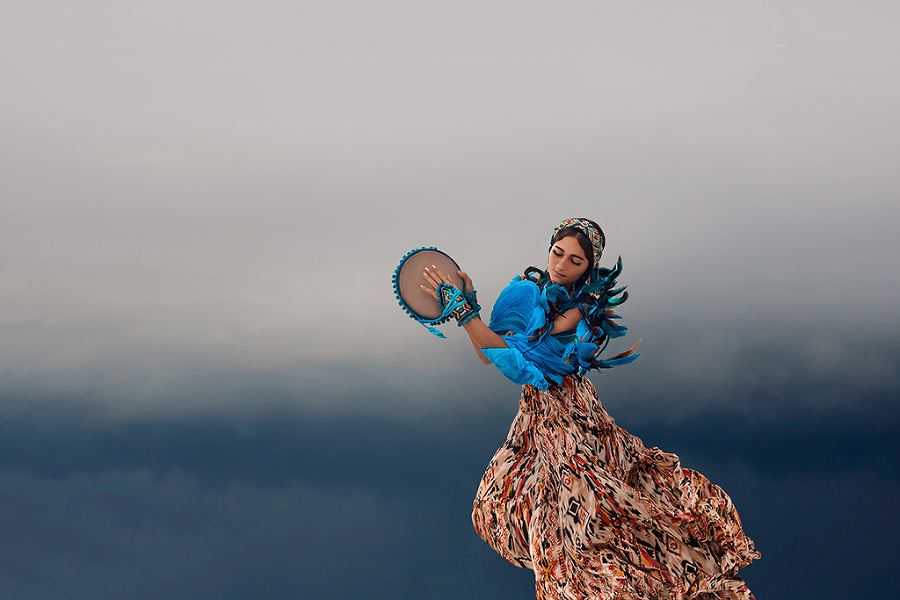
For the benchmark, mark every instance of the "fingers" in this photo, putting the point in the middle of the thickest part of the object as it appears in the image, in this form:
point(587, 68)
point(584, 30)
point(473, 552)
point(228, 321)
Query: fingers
point(434, 276)
point(469, 286)
point(433, 281)
point(443, 277)
point(430, 278)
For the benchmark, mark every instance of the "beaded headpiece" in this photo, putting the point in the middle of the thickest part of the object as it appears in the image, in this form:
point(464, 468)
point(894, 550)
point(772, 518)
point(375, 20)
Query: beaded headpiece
point(590, 230)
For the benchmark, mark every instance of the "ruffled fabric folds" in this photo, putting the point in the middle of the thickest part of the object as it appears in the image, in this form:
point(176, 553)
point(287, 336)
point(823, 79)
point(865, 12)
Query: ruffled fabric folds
point(533, 355)
point(599, 516)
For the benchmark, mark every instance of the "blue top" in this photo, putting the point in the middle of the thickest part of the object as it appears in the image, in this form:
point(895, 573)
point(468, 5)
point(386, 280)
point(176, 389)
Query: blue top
point(536, 357)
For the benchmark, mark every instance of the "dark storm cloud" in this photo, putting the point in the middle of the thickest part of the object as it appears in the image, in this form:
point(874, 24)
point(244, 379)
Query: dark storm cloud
point(271, 451)
point(283, 501)
point(56, 442)
point(280, 504)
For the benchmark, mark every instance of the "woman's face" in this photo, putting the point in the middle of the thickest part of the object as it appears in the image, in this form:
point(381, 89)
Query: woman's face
point(567, 262)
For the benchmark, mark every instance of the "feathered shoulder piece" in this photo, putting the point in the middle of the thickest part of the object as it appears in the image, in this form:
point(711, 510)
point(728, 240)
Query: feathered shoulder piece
point(597, 300)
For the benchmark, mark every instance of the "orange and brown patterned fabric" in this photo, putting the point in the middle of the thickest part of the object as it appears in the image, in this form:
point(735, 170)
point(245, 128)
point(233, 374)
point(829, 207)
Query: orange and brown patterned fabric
point(598, 516)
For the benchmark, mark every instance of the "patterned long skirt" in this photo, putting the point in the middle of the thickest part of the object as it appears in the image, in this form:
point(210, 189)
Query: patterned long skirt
point(598, 516)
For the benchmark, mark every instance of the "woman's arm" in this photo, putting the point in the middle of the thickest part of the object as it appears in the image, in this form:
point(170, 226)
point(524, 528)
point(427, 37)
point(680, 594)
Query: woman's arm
point(484, 359)
point(482, 336)
point(479, 333)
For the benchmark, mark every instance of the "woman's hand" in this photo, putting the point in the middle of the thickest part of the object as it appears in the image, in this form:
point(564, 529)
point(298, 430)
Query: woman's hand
point(434, 276)
point(469, 287)
point(481, 336)
point(453, 301)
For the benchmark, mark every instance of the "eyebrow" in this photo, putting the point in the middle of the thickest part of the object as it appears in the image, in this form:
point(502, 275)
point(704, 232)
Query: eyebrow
point(578, 256)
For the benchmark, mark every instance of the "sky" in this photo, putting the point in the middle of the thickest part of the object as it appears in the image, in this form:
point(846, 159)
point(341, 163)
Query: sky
point(207, 388)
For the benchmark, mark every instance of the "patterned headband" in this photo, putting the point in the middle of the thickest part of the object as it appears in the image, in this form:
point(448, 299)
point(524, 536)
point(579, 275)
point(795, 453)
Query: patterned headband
point(590, 231)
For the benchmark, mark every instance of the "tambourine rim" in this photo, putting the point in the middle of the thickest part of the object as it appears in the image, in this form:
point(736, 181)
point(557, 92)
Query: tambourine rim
point(396, 282)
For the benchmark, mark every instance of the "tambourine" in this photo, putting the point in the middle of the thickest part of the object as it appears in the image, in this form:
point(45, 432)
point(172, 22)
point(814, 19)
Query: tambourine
point(417, 303)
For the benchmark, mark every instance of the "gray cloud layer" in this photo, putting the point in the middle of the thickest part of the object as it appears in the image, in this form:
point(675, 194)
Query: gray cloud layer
point(233, 185)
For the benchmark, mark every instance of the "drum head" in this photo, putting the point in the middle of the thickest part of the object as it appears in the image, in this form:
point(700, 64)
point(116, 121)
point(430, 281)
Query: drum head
point(409, 276)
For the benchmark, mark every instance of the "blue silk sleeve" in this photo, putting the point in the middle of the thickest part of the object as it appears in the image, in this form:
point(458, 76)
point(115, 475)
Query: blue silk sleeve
point(531, 357)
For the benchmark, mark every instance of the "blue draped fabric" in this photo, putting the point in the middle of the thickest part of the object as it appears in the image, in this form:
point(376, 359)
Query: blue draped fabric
point(534, 356)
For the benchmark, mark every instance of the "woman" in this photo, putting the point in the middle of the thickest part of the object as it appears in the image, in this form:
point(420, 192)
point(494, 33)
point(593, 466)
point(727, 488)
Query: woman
point(571, 495)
